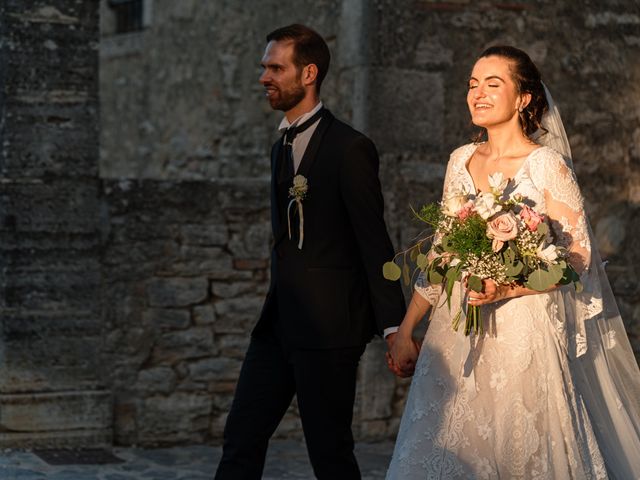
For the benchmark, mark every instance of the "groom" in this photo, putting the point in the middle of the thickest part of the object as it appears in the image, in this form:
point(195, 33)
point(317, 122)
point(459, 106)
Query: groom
point(327, 297)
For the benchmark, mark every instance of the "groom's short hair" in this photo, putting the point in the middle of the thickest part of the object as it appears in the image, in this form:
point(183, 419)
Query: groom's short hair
point(308, 47)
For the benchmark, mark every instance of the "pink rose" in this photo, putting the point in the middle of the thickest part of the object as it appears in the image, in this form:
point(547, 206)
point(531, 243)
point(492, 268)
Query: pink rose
point(466, 210)
point(531, 218)
point(502, 228)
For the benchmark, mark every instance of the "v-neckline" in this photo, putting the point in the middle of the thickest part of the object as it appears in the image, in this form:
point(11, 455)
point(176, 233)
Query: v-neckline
point(520, 169)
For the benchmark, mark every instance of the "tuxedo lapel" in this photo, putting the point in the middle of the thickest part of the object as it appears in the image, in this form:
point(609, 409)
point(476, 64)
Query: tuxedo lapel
point(310, 153)
point(276, 221)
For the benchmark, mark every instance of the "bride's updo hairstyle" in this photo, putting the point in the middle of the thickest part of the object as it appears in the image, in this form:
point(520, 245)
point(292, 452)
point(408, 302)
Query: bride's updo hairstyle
point(526, 76)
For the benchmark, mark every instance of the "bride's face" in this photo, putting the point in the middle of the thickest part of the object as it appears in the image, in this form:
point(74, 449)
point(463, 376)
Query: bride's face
point(493, 98)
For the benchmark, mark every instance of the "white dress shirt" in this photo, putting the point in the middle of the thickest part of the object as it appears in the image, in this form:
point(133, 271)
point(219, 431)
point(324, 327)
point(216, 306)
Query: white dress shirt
point(300, 143)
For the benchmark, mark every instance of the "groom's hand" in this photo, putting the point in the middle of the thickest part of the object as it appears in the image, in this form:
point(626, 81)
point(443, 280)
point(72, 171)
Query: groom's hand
point(401, 358)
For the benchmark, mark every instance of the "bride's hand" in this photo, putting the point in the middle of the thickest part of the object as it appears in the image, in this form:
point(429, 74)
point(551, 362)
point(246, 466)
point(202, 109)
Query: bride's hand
point(491, 292)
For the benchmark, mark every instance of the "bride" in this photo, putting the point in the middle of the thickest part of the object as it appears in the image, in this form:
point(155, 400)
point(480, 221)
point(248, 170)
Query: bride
point(552, 390)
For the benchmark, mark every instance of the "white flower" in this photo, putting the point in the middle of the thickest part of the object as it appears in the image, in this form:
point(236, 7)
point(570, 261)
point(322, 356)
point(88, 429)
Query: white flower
point(300, 181)
point(453, 204)
point(486, 205)
point(497, 183)
point(548, 254)
point(299, 188)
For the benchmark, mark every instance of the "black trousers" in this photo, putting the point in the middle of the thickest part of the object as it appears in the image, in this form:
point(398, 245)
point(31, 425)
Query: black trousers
point(324, 382)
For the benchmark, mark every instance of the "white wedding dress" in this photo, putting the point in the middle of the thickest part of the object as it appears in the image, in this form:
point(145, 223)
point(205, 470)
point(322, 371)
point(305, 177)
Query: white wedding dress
point(551, 390)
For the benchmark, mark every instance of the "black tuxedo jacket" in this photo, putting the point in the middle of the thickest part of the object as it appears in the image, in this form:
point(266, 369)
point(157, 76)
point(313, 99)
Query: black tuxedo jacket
point(331, 293)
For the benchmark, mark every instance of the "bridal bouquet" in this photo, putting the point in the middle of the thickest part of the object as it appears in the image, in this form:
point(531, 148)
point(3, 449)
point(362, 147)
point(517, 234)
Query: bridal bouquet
point(488, 236)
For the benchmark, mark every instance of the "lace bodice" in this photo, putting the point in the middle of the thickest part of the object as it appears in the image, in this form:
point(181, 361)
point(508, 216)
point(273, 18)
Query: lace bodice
point(546, 179)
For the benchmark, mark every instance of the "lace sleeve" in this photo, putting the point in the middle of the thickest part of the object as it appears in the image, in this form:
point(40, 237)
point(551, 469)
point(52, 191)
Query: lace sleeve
point(431, 293)
point(565, 206)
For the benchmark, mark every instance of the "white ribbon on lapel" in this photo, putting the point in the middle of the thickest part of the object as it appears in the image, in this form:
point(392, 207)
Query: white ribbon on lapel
point(301, 213)
point(298, 191)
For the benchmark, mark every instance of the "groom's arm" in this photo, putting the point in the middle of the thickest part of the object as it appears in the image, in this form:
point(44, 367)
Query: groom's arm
point(362, 195)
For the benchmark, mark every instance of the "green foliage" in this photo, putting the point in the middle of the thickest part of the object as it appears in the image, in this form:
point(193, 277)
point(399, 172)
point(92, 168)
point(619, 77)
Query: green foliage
point(511, 261)
point(435, 273)
point(475, 283)
point(430, 214)
point(452, 274)
point(543, 278)
point(469, 237)
point(391, 271)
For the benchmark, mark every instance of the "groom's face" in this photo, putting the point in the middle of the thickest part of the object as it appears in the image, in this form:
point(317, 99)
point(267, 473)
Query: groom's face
point(280, 77)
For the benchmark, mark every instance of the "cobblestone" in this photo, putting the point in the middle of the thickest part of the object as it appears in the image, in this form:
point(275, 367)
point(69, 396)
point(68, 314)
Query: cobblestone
point(286, 459)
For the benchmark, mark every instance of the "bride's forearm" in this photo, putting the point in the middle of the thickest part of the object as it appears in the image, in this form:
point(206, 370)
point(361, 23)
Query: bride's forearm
point(514, 290)
point(416, 311)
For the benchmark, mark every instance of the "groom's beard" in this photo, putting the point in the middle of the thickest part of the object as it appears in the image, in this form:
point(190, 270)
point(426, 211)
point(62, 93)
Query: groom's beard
point(287, 99)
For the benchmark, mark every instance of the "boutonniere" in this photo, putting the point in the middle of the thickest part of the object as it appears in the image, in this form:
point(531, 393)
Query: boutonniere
point(297, 192)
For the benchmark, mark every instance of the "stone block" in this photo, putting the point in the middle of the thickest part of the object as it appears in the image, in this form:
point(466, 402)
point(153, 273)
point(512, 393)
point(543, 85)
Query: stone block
point(55, 411)
point(235, 289)
point(196, 234)
point(237, 315)
point(233, 346)
point(248, 305)
point(177, 292)
point(166, 318)
point(203, 315)
point(156, 380)
point(192, 343)
point(251, 240)
point(215, 369)
point(175, 418)
point(213, 262)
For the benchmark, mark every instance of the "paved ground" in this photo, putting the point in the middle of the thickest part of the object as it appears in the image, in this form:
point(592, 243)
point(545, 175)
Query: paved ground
point(286, 460)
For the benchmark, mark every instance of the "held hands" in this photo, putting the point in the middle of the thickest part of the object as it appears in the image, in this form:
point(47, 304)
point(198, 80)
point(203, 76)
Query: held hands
point(402, 355)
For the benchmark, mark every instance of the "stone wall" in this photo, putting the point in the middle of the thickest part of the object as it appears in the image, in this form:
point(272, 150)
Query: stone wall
point(50, 285)
point(184, 143)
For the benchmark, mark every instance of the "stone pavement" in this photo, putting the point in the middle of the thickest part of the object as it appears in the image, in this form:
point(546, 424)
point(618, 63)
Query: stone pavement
point(286, 459)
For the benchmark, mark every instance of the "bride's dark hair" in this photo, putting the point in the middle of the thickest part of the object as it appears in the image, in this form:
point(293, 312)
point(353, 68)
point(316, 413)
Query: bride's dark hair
point(526, 76)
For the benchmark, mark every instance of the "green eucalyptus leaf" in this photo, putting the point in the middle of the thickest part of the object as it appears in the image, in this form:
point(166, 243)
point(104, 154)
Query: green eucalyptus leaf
point(435, 276)
point(542, 279)
point(391, 271)
point(475, 283)
point(446, 244)
point(421, 261)
point(413, 253)
point(451, 276)
point(509, 255)
point(542, 229)
point(557, 272)
point(513, 269)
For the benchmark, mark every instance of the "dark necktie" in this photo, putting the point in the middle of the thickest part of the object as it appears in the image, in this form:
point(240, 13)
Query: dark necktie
point(286, 152)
